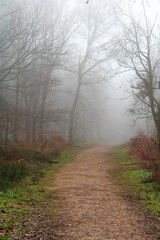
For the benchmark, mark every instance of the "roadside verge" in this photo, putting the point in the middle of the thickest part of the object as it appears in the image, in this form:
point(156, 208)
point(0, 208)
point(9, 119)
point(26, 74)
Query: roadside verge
point(135, 180)
point(27, 209)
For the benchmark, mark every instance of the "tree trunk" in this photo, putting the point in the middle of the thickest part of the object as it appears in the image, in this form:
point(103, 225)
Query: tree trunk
point(42, 112)
point(7, 130)
point(73, 110)
point(158, 127)
point(34, 125)
point(35, 116)
point(27, 119)
point(16, 117)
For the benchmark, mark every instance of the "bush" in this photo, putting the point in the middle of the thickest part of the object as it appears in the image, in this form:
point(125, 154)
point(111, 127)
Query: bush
point(11, 174)
point(145, 149)
point(21, 159)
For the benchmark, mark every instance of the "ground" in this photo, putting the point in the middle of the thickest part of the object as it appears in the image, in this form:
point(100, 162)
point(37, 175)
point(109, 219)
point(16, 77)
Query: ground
point(92, 206)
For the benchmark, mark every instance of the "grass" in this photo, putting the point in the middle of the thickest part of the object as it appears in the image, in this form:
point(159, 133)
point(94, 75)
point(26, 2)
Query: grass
point(18, 203)
point(136, 181)
point(11, 174)
point(16, 163)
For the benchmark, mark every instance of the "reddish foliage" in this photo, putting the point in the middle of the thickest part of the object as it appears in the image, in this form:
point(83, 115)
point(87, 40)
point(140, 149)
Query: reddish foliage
point(56, 142)
point(145, 149)
point(28, 154)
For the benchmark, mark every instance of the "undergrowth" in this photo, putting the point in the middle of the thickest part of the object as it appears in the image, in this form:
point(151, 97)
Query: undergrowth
point(18, 202)
point(19, 161)
point(146, 149)
point(136, 180)
point(11, 175)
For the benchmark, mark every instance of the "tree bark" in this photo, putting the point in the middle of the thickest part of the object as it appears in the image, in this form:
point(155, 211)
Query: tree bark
point(73, 110)
point(158, 127)
point(16, 117)
point(42, 112)
point(27, 112)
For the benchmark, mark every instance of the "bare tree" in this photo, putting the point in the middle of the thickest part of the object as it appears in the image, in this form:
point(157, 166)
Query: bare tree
point(17, 26)
point(39, 41)
point(138, 52)
point(34, 44)
point(93, 54)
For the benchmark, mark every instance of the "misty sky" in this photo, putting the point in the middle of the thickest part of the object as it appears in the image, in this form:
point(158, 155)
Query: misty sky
point(119, 125)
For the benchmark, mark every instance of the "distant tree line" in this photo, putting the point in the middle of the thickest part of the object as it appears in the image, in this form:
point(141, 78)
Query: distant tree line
point(39, 52)
point(33, 40)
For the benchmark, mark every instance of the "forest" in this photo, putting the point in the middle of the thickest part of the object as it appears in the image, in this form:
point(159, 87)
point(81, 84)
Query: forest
point(57, 61)
point(50, 61)
point(60, 63)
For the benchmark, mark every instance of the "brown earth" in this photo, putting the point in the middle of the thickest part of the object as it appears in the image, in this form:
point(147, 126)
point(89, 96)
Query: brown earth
point(91, 205)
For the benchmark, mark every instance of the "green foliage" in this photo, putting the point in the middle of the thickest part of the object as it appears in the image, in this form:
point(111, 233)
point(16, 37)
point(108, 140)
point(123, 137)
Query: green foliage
point(136, 181)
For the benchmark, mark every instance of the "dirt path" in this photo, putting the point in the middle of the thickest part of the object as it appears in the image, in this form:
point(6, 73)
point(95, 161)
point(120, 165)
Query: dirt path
point(93, 207)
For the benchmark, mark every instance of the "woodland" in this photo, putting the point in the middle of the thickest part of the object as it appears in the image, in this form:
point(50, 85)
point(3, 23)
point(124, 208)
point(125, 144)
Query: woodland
point(49, 63)
point(57, 61)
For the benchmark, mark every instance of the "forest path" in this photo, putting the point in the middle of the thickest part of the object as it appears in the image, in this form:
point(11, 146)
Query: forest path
point(92, 206)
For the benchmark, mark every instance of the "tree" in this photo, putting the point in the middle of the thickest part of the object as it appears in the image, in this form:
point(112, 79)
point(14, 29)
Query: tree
point(34, 43)
point(93, 53)
point(138, 52)
point(17, 26)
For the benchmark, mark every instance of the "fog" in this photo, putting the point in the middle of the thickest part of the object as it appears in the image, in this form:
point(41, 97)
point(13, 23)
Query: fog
point(64, 70)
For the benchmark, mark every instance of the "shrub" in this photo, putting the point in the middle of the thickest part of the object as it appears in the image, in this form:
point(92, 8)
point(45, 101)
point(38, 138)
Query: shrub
point(11, 174)
point(145, 149)
point(20, 159)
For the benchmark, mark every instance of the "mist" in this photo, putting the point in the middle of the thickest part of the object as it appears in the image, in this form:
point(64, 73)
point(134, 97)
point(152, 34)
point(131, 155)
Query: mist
point(62, 72)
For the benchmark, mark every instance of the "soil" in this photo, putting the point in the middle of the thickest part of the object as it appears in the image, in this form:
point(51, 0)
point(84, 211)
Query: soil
point(92, 207)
